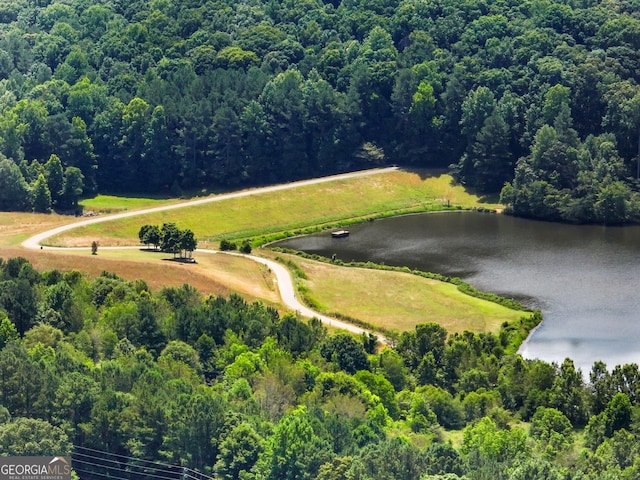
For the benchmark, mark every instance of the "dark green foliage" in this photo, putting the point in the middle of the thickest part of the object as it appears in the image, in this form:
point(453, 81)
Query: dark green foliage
point(245, 248)
point(59, 298)
point(443, 458)
point(568, 394)
point(447, 409)
point(74, 399)
point(143, 97)
point(12, 268)
point(41, 195)
point(233, 389)
point(18, 300)
point(226, 245)
point(395, 458)
point(346, 351)
point(392, 367)
point(427, 338)
point(617, 414)
point(239, 451)
point(150, 235)
point(184, 296)
point(182, 352)
point(170, 238)
point(295, 335)
point(26, 387)
point(537, 470)
point(55, 177)
point(73, 187)
point(14, 191)
point(104, 285)
point(146, 330)
point(295, 450)
point(33, 437)
point(197, 419)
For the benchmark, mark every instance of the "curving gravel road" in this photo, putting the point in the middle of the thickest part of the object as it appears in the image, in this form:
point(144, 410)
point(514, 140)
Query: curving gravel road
point(283, 278)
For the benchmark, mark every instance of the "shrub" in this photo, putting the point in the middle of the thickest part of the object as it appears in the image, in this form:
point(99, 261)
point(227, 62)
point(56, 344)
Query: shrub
point(226, 245)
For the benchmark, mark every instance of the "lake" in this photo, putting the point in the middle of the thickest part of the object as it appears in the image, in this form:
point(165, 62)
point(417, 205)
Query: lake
point(585, 279)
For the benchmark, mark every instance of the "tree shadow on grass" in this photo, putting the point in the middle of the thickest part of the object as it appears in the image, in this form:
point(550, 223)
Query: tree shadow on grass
point(181, 260)
point(425, 173)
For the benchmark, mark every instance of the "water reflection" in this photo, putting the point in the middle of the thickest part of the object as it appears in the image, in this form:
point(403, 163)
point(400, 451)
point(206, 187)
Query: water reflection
point(583, 278)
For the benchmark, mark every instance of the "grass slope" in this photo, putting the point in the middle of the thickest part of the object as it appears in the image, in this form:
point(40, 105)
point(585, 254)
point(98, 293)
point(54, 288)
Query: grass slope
point(384, 299)
point(117, 203)
point(213, 274)
point(17, 226)
point(398, 301)
point(290, 210)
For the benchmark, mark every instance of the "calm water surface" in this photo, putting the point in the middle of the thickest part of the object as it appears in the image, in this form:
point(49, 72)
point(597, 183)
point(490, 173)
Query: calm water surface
point(585, 279)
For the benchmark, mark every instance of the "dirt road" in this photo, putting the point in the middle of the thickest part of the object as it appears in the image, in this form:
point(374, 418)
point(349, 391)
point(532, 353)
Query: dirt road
point(283, 278)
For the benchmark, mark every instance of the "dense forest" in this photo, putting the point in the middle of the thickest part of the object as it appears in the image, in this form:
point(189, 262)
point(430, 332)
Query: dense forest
point(238, 391)
point(540, 94)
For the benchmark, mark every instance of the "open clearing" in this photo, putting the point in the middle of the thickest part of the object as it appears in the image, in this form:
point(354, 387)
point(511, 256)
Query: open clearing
point(115, 203)
point(213, 274)
point(289, 210)
point(398, 301)
point(17, 226)
point(389, 300)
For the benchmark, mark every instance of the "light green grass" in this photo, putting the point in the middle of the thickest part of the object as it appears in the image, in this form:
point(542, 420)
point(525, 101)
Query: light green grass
point(114, 203)
point(295, 209)
point(398, 301)
point(384, 299)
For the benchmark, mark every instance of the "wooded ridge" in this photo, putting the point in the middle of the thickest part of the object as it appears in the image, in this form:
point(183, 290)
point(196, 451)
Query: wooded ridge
point(178, 96)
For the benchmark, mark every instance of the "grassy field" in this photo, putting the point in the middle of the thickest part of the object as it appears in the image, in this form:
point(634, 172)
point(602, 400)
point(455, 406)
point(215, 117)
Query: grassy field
point(115, 203)
point(388, 300)
point(291, 210)
point(398, 301)
point(213, 274)
point(16, 226)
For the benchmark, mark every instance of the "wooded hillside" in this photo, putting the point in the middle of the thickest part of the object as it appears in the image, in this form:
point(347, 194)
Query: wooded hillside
point(164, 96)
point(120, 375)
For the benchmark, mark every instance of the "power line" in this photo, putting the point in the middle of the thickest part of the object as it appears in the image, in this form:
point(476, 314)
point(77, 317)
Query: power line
point(113, 465)
point(145, 473)
point(125, 456)
point(138, 461)
point(142, 460)
point(79, 471)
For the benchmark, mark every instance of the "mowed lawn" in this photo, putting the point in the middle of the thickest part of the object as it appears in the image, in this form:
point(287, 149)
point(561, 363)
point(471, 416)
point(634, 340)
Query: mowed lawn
point(289, 210)
point(117, 203)
point(399, 301)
